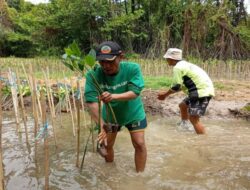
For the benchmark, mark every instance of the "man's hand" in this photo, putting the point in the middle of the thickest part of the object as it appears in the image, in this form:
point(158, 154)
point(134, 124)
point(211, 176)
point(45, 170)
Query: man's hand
point(102, 137)
point(106, 97)
point(162, 95)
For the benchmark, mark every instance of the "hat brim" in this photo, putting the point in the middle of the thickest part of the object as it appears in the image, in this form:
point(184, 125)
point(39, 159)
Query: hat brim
point(166, 56)
point(106, 57)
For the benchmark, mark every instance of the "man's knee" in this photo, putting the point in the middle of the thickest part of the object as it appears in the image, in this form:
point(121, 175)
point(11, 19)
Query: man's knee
point(194, 119)
point(140, 145)
point(182, 105)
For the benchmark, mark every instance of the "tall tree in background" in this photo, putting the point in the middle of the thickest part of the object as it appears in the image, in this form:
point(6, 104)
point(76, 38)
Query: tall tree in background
point(209, 28)
point(238, 12)
point(5, 24)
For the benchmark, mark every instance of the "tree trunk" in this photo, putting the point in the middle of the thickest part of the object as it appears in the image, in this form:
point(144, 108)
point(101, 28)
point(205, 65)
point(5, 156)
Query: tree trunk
point(126, 6)
point(187, 32)
point(133, 6)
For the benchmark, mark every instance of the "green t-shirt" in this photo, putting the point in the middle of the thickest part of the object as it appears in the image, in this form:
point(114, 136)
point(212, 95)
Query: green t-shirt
point(129, 78)
point(193, 79)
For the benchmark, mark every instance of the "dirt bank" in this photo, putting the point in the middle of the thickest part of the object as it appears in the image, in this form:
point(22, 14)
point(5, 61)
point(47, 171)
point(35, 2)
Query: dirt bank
point(225, 105)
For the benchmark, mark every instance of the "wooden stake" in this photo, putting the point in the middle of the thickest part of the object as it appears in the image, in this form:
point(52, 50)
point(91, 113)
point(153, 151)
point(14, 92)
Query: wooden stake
point(34, 105)
point(14, 98)
point(60, 104)
point(81, 97)
point(1, 158)
point(67, 99)
point(46, 148)
point(51, 95)
point(26, 76)
point(85, 151)
point(50, 106)
point(78, 127)
point(33, 87)
point(74, 101)
point(23, 111)
point(83, 108)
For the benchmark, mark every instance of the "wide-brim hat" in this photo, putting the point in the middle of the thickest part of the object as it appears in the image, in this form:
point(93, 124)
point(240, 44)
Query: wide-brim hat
point(108, 51)
point(173, 53)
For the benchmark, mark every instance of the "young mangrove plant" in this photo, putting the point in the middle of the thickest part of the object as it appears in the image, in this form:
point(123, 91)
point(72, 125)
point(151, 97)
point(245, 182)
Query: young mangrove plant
point(82, 64)
point(76, 61)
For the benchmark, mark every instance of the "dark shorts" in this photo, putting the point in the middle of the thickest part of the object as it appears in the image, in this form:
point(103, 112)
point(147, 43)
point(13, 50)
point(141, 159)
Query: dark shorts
point(133, 127)
point(137, 126)
point(197, 106)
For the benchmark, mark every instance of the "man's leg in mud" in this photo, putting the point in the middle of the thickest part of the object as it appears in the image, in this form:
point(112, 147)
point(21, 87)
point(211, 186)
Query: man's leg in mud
point(138, 141)
point(184, 111)
point(195, 120)
point(110, 143)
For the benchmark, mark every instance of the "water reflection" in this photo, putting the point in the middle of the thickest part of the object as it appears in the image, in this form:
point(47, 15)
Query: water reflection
point(176, 159)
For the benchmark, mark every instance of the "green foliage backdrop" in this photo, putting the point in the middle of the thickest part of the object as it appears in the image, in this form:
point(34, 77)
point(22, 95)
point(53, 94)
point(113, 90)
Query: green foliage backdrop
point(204, 29)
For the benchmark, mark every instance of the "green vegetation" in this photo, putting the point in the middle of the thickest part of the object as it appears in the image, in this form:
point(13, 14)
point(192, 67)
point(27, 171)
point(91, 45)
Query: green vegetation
point(143, 27)
point(246, 108)
point(157, 82)
point(229, 70)
point(221, 86)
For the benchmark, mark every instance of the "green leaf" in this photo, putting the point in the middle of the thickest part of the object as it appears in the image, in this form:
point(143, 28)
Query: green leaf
point(68, 65)
point(75, 50)
point(68, 52)
point(74, 64)
point(81, 65)
point(92, 52)
point(89, 60)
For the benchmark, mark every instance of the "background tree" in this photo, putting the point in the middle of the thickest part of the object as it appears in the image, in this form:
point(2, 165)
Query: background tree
point(205, 29)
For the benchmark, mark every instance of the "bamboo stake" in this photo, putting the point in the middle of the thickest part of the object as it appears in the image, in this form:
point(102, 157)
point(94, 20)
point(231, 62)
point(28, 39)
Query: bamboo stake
point(14, 98)
point(46, 148)
point(25, 73)
point(60, 105)
point(48, 93)
point(50, 106)
point(34, 105)
point(78, 128)
point(31, 83)
point(74, 101)
point(38, 100)
point(83, 108)
point(33, 87)
point(51, 95)
point(85, 150)
point(67, 99)
point(1, 158)
point(23, 111)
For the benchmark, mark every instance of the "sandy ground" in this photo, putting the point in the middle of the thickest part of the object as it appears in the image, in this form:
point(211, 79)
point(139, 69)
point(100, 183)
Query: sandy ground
point(233, 96)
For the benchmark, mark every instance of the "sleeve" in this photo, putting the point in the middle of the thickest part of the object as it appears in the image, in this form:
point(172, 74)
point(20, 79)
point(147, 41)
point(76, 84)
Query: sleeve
point(90, 92)
point(136, 82)
point(177, 79)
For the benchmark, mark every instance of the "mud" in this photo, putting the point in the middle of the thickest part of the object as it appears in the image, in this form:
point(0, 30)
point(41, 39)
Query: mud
point(227, 103)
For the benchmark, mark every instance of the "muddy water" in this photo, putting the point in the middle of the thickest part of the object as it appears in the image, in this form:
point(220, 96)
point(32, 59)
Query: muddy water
point(176, 159)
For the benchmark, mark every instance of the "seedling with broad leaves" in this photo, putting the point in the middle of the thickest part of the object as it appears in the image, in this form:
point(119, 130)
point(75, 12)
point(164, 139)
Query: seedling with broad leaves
point(76, 61)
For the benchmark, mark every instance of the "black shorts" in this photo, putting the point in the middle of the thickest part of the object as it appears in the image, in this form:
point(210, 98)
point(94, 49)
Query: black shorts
point(137, 126)
point(133, 127)
point(197, 106)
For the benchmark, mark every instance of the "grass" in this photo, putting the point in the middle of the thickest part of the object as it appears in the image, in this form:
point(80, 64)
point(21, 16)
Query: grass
point(157, 82)
point(156, 73)
point(221, 86)
point(246, 108)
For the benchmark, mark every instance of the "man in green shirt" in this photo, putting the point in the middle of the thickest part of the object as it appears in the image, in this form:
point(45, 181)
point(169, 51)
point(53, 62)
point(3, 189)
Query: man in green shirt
point(195, 82)
point(121, 83)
